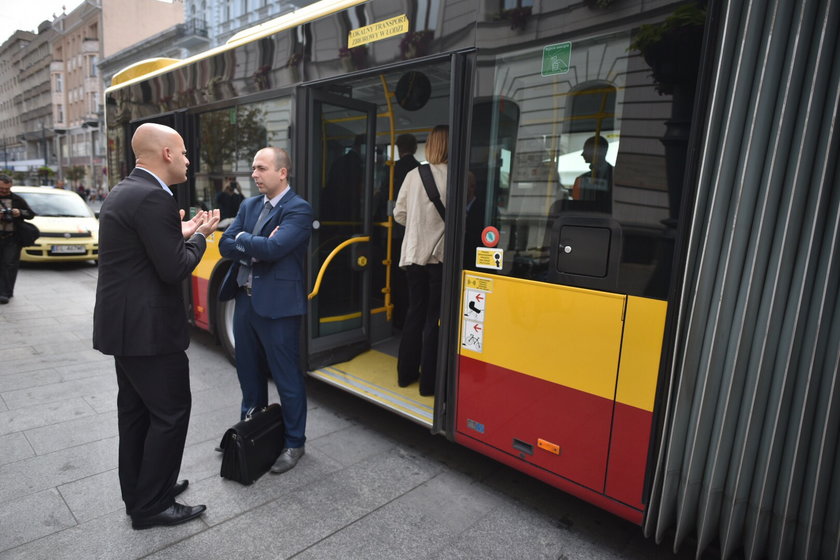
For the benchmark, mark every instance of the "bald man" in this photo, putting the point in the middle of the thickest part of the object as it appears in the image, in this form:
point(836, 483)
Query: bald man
point(145, 252)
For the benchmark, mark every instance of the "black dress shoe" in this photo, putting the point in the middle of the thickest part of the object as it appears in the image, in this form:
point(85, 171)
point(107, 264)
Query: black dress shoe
point(173, 515)
point(180, 486)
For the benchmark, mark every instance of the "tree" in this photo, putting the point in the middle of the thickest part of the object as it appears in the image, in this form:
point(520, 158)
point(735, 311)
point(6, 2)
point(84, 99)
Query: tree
point(229, 135)
point(74, 173)
point(45, 173)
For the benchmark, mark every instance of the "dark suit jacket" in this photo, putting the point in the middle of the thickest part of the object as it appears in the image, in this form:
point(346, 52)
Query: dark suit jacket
point(278, 281)
point(143, 259)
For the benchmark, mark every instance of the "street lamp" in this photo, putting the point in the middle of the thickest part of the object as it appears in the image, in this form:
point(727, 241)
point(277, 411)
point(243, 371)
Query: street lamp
point(44, 141)
point(91, 125)
point(59, 132)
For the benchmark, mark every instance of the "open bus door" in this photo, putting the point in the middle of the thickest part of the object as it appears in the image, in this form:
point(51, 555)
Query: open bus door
point(339, 157)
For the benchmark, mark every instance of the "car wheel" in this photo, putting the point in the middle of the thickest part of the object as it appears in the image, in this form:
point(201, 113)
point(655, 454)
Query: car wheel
point(224, 327)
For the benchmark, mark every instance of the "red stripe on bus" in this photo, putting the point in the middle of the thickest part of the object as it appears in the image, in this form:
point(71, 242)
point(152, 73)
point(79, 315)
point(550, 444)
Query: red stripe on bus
point(201, 308)
point(628, 454)
point(512, 411)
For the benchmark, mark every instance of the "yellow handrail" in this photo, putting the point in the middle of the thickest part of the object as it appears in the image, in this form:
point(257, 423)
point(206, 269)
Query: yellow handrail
point(329, 259)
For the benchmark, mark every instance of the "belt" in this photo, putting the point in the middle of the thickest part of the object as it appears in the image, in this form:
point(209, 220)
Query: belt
point(247, 290)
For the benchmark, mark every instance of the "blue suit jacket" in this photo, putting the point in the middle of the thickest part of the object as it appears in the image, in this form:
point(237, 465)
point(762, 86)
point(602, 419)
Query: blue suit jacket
point(278, 285)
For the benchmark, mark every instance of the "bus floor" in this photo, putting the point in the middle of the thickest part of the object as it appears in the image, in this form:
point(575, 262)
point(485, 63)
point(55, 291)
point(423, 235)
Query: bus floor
point(372, 376)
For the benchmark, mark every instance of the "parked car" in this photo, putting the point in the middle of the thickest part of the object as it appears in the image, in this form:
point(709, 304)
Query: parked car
point(69, 228)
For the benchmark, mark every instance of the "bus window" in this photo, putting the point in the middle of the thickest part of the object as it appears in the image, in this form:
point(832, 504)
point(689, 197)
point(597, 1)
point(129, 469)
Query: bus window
point(552, 147)
point(229, 139)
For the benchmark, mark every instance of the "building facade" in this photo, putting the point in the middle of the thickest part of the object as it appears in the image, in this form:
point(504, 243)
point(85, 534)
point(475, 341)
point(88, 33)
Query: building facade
point(12, 52)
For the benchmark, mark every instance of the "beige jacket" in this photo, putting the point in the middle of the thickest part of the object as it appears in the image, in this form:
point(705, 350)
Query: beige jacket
point(423, 241)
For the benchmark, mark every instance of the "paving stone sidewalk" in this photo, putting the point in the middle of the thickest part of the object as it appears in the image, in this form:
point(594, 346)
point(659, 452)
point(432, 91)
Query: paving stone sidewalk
point(371, 485)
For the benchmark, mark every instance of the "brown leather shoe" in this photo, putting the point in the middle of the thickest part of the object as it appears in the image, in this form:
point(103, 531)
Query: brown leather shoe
point(288, 459)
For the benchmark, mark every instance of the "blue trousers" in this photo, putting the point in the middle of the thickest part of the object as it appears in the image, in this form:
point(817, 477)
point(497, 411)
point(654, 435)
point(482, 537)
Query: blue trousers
point(270, 349)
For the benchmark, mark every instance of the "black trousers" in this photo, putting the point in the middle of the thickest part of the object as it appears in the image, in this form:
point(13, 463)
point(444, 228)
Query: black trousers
point(418, 347)
point(153, 410)
point(9, 262)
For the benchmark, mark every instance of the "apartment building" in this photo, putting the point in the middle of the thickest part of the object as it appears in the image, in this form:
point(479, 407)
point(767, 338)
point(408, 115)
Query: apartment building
point(11, 98)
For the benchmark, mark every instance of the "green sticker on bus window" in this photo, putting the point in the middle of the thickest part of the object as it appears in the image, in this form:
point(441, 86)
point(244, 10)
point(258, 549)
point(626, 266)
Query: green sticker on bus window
point(556, 59)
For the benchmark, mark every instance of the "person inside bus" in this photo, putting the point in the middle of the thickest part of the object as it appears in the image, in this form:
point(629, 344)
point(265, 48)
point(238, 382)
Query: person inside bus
point(422, 259)
point(594, 187)
point(267, 243)
point(406, 148)
point(473, 225)
point(343, 193)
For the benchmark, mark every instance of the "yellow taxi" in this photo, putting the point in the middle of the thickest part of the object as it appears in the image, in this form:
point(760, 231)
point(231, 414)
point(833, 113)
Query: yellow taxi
point(69, 228)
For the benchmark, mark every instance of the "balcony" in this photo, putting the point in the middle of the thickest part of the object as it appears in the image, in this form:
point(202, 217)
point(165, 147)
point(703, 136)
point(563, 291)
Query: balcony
point(90, 46)
point(192, 35)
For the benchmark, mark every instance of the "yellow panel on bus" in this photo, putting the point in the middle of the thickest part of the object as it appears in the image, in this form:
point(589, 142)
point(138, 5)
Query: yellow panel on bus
point(560, 334)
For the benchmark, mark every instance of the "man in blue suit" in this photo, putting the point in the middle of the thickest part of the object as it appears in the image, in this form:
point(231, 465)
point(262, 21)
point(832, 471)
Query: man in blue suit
point(267, 242)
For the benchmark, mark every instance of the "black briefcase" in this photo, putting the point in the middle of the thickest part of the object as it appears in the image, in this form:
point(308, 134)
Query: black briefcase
point(250, 447)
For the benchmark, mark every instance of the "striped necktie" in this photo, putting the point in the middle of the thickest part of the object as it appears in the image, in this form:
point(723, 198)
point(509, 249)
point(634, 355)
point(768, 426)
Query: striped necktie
point(244, 273)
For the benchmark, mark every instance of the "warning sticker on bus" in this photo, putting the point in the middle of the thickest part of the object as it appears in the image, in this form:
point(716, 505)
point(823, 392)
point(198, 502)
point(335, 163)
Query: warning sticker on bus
point(489, 258)
point(472, 336)
point(478, 283)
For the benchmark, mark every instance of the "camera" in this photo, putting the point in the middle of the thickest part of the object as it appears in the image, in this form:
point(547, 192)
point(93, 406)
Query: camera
point(6, 215)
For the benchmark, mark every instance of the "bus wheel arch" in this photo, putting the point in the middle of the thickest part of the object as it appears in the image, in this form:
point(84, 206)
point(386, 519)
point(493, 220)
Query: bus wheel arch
point(222, 313)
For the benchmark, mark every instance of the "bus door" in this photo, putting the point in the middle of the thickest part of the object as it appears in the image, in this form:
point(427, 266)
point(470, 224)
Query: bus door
point(340, 142)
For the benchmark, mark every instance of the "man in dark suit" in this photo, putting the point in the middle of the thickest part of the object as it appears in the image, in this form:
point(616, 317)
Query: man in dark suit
point(145, 252)
point(406, 147)
point(267, 242)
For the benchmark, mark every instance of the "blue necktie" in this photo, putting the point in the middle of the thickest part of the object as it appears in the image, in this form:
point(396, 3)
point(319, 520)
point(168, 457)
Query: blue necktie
point(244, 272)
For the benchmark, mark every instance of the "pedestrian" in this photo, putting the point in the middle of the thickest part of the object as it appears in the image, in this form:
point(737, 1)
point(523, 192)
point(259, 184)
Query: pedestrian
point(267, 242)
point(229, 198)
point(14, 210)
point(145, 252)
point(422, 259)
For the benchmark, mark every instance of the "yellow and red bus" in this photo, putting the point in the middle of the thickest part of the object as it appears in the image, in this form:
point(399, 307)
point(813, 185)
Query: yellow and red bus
point(641, 234)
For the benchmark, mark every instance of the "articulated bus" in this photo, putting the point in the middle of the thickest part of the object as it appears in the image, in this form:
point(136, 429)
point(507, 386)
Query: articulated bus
point(640, 284)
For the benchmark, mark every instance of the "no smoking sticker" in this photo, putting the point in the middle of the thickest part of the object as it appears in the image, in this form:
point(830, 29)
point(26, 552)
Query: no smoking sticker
point(490, 236)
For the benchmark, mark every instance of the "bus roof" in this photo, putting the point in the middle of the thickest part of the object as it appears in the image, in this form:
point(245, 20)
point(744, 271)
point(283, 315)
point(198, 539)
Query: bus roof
point(150, 67)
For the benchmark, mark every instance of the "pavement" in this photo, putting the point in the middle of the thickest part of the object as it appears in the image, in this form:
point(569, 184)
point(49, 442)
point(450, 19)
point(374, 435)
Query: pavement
point(371, 485)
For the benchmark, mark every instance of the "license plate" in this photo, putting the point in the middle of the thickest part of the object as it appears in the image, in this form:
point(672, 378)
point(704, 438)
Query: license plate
point(68, 250)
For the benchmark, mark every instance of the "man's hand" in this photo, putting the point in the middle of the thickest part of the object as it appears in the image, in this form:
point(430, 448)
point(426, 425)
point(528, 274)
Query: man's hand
point(189, 227)
point(211, 220)
point(270, 235)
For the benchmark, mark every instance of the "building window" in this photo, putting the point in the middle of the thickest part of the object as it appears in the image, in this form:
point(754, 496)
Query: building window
point(59, 83)
point(513, 4)
point(59, 113)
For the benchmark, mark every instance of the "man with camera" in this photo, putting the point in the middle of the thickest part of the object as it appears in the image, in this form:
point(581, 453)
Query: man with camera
point(13, 210)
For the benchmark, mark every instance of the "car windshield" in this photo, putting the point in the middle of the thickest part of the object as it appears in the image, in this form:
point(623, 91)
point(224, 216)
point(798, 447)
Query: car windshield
point(56, 205)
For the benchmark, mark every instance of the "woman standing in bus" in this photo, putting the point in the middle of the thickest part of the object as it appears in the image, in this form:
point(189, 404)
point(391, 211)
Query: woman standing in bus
point(422, 258)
